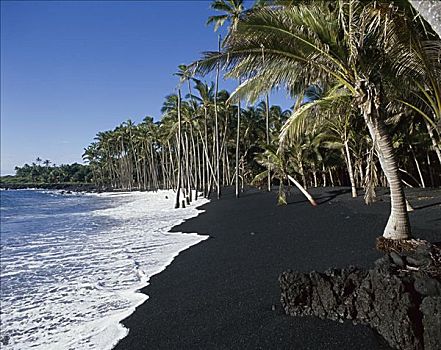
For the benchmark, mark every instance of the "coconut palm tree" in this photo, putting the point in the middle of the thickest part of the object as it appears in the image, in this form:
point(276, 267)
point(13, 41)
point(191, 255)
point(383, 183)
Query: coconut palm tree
point(231, 12)
point(46, 163)
point(279, 165)
point(430, 10)
point(353, 45)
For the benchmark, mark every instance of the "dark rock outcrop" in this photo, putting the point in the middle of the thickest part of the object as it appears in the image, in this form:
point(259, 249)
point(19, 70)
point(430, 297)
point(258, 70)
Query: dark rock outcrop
point(400, 297)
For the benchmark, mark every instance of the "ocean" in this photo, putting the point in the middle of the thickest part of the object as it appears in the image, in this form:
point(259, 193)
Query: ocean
point(72, 265)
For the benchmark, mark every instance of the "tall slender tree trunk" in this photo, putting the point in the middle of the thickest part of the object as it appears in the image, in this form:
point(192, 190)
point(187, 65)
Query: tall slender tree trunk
point(200, 166)
point(432, 183)
point(216, 121)
point(210, 171)
point(434, 143)
point(417, 164)
point(350, 169)
point(207, 157)
point(314, 175)
point(267, 125)
point(398, 225)
point(331, 177)
point(187, 169)
point(237, 149)
point(154, 168)
point(178, 189)
point(172, 165)
point(361, 172)
point(302, 171)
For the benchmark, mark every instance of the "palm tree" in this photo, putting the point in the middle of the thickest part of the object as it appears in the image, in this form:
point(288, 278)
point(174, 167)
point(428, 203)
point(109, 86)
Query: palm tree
point(430, 10)
point(279, 164)
point(179, 141)
point(231, 12)
point(355, 46)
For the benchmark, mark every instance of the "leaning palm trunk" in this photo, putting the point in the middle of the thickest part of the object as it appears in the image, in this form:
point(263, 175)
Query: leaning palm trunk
point(398, 226)
point(417, 164)
point(302, 189)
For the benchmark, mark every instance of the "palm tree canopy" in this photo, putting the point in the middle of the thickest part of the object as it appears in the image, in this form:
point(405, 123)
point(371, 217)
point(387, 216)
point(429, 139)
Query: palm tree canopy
point(232, 9)
point(431, 11)
point(317, 43)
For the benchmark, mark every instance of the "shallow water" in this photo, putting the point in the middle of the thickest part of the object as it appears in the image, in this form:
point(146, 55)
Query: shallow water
point(71, 265)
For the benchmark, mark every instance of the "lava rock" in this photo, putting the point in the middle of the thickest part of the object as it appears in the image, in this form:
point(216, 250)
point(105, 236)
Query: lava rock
point(402, 305)
point(398, 260)
point(431, 310)
point(427, 286)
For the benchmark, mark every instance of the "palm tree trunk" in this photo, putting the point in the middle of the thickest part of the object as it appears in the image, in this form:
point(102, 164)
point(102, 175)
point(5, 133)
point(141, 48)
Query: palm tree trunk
point(172, 165)
point(178, 189)
point(267, 123)
point(237, 149)
point(398, 226)
point(331, 177)
point(350, 169)
point(302, 171)
point(417, 164)
point(314, 174)
point(210, 171)
point(154, 168)
point(207, 157)
point(432, 183)
point(302, 189)
point(432, 138)
point(361, 172)
point(217, 124)
point(199, 159)
point(187, 168)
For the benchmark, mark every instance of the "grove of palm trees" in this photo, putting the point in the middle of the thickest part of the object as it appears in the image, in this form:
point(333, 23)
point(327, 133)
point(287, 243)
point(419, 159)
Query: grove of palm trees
point(364, 79)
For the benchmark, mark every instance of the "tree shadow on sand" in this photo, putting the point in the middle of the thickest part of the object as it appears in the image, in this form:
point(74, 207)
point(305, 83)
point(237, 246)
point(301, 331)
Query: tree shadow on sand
point(328, 196)
point(427, 206)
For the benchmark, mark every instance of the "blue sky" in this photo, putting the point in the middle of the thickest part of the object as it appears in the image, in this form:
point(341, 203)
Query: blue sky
point(72, 68)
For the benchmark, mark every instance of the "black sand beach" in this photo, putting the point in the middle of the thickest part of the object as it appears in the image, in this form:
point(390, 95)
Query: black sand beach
point(223, 293)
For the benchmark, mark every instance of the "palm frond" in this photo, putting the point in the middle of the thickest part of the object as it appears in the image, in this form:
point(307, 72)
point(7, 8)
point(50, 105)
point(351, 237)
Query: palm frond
point(296, 124)
point(218, 21)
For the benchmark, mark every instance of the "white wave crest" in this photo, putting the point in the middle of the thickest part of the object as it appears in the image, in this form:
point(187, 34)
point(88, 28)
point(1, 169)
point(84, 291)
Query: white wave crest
point(69, 288)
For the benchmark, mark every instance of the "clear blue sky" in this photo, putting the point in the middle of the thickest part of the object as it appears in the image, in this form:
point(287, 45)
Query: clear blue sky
point(72, 68)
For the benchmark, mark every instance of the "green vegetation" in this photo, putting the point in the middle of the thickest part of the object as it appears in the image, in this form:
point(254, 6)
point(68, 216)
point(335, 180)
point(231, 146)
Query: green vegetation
point(365, 81)
point(37, 174)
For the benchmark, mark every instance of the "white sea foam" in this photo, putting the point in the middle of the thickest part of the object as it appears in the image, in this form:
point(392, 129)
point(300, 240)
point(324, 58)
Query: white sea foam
point(69, 288)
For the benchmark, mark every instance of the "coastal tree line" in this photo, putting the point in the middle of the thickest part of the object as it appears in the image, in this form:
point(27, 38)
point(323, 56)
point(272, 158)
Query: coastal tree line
point(46, 172)
point(365, 81)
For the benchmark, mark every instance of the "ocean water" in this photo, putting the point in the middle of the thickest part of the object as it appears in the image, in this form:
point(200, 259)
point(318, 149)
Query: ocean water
point(72, 265)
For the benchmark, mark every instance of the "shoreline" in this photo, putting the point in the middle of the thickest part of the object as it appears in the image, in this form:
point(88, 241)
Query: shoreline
point(118, 243)
point(80, 187)
point(224, 293)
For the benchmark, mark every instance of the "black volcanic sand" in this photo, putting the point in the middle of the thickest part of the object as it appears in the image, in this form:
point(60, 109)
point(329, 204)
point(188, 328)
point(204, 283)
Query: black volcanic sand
point(224, 294)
